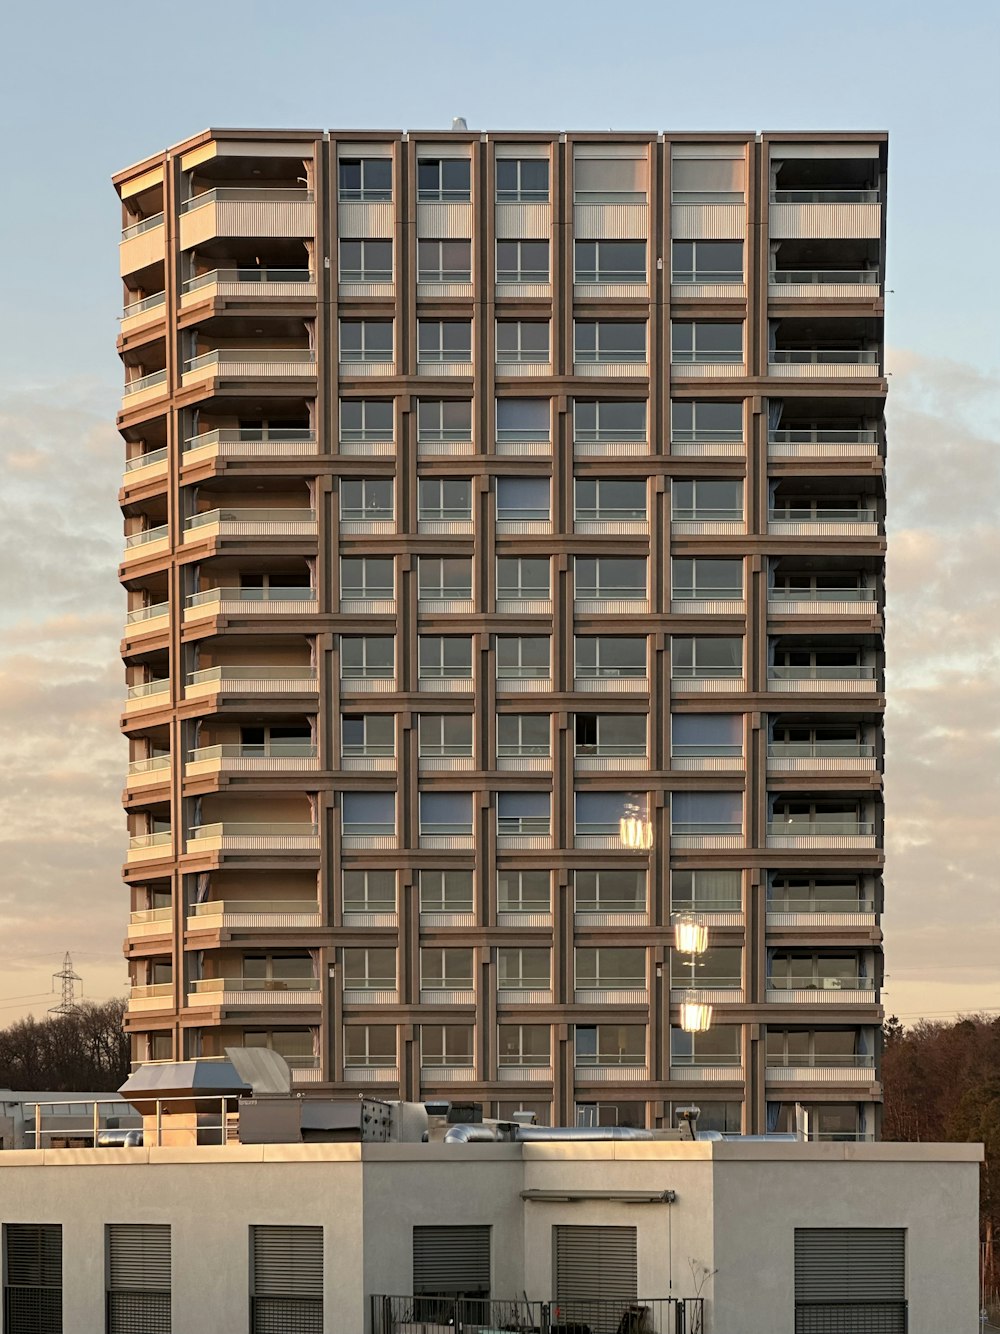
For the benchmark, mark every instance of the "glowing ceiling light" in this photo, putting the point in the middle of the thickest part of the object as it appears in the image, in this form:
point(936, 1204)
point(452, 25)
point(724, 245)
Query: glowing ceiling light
point(695, 1015)
point(690, 937)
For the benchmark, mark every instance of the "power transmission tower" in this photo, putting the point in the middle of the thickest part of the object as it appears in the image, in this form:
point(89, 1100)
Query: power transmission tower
point(68, 978)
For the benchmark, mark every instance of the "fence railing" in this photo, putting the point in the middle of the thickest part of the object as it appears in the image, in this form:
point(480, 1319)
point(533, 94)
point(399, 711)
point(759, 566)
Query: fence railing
point(484, 1315)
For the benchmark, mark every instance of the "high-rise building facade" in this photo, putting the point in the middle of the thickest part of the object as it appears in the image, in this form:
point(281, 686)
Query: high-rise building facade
point(504, 523)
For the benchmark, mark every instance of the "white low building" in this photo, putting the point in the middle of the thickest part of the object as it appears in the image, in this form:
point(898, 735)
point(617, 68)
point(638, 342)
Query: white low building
point(775, 1237)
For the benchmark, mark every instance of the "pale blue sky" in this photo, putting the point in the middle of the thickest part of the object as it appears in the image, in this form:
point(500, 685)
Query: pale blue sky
point(91, 88)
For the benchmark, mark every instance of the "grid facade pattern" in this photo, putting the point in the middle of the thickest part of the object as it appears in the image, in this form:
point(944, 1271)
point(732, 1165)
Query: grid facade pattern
point(504, 553)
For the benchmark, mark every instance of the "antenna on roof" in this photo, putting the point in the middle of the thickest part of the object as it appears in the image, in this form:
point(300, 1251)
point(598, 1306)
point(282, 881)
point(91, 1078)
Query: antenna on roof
point(459, 123)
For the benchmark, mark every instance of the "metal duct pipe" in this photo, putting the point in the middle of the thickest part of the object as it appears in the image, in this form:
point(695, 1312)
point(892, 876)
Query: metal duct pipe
point(470, 1134)
point(527, 1134)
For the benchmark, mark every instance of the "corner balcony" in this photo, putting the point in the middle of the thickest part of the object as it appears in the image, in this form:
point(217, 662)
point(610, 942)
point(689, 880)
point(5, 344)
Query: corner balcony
point(155, 996)
point(371, 991)
point(806, 834)
point(820, 757)
point(611, 601)
point(707, 444)
point(145, 467)
point(708, 602)
point(604, 1070)
point(816, 214)
point(150, 620)
point(246, 680)
point(822, 602)
point(371, 1074)
point(823, 991)
point(150, 922)
point(255, 992)
point(250, 363)
point(523, 680)
point(249, 443)
point(146, 543)
point(707, 681)
point(277, 757)
point(823, 363)
point(822, 1070)
point(255, 836)
point(707, 835)
point(261, 284)
point(149, 847)
point(271, 601)
point(457, 991)
point(445, 443)
point(368, 759)
point(599, 444)
point(815, 443)
point(148, 773)
point(823, 680)
point(143, 388)
point(139, 314)
point(816, 913)
point(707, 759)
point(611, 991)
point(524, 1072)
point(833, 284)
point(238, 211)
point(143, 243)
point(218, 915)
point(148, 695)
point(521, 832)
point(611, 681)
point(249, 523)
point(823, 523)
point(610, 758)
point(717, 1071)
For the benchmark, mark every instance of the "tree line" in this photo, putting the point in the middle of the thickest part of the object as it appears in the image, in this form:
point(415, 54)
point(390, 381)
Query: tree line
point(85, 1050)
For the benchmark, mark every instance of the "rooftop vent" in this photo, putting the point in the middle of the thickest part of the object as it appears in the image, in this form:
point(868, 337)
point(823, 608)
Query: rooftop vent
point(459, 123)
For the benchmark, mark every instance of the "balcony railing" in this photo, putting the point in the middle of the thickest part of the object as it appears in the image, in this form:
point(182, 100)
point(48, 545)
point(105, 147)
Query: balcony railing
point(272, 594)
point(255, 360)
point(147, 535)
point(824, 196)
point(149, 381)
point(244, 194)
point(145, 460)
point(256, 834)
point(212, 984)
point(151, 613)
point(826, 1060)
point(254, 522)
point(802, 827)
point(231, 674)
point(428, 1315)
point(246, 442)
point(843, 673)
point(813, 435)
point(855, 594)
point(524, 824)
point(250, 277)
point(143, 225)
point(144, 689)
point(591, 356)
point(823, 356)
point(708, 357)
point(864, 277)
point(271, 750)
point(815, 750)
point(819, 982)
point(154, 764)
point(146, 303)
point(158, 840)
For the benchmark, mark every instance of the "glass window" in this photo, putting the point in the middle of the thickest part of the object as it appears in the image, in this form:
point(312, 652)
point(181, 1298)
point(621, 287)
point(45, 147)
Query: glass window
point(444, 261)
point(610, 1044)
point(706, 812)
point(369, 1044)
point(366, 179)
point(706, 577)
point(444, 577)
point(609, 577)
point(446, 891)
point(708, 180)
point(522, 180)
point(522, 656)
point(366, 419)
point(609, 419)
point(445, 656)
point(446, 968)
point(601, 812)
point(366, 340)
point(706, 656)
point(365, 261)
point(609, 180)
point(524, 812)
point(367, 656)
point(610, 261)
point(523, 577)
point(373, 966)
point(718, 1045)
point(368, 734)
point(719, 967)
point(444, 340)
point(613, 499)
point(444, 419)
point(524, 734)
point(706, 499)
point(707, 261)
point(840, 892)
point(366, 498)
point(714, 734)
point(444, 498)
point(522, 261)
point(369, 812)
point(524, 891)
point(445, 734)
point(523, 498)
point(523, 969)
point(606, 967)
point(610, 656)
point(524, 1044)
point(712, 341)
point(610, 733)
point(609, 891)
point(693, 420)
point(366, 577)
point(369, 891)
point(523, 340)
point(445, 813)
point(447, 1044)
point(523, 419)
point(444, 180)
point(610, 340)
point(611, 1114)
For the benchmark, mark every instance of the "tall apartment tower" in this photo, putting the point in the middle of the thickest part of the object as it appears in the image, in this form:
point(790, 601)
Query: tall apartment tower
point(504, 547)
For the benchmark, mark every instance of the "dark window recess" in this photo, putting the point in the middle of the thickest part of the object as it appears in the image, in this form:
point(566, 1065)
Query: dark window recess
point(850, 1280)
point(32, 1289)
point(451, 1261)
point(594, 1264)
point(286, 1280)
point(138, 1278)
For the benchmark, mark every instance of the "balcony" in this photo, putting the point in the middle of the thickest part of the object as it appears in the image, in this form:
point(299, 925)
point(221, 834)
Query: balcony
point(153, 619)
point(610, 758)
point(261, 284)
point(360, 365)
point(523, 444)
point(822, 602)
point(705, 444)
point(148, 773)
point(452, 523)
point(707, 680)
point(237, 211)
point(446, 601)
point(514, 523)
point(248, 443)
point(807, 442)
point(138, 314)
point(277, 757)
point(820, 757)
point(270, 601)
point(821, 1069)
point(843, 213)
point(147, 542)
point(708, 912)
point(369, 758)
point(816, 913)
point(145, 467)
point(220, 523)
point(835, 832)
point(251, 363)
point(606, 1069)
point(150, 922)
point(525, 365)
point(142, 388)
point(372, 836)
point(824, 363)
point(143, 243)
point(259, 992)
point(833, 284)
point(150, 847)
point(515, 993)
point(707, 759)
point(451, 836)
point(442, 363)
point(822, 991)
point(524, 601)
point(703, 522)
point(823, 680)
point(156, 996)
point(148, 695)
point(714, 1070)
point(255, 836)
point(218, 915)
point(246, 680)
point(792, 522)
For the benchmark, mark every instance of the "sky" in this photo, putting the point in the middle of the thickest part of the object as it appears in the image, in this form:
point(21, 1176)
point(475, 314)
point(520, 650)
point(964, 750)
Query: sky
point(89, 89)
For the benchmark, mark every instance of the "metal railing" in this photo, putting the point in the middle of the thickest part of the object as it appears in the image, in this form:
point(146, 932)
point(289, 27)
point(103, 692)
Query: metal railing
point(248, 275)
point(706, 905)
point(599, 673)
point(822, 356)
point(524, 824)
point(484, 1315)
point(440, 276)
point(209, 518)
point(602, 592)
point(710, 355)
point(824, 196)
point(523, 592)
point(146, 535)
point(814, 435)
point(698, 748)
point(149, 381)
point(707, 276)
point(296, 593)
point(706, 514)
point(238, 983)
point(795, 750)
point(607, 983)
point(783, 904)
point(522, 276)
point(680, 672)
point(610, 276)
point(609, 196)
point(161, 686)
point(255, 829)
point(144, 303)
point(248, 435)
point(708, 436)
point(150, 613)
point(708, 593)
point(583, 1059)
point(595, 436)
point(718, 1058)
point(709, 828)
point(291, 356)
point(864, 276)
point(820, 1059)
point(798, 827)
point(811, 673)
point(440, 593)
point(220, 907)
point(143, 225)
point(244, 751)
point(707, 197)
point(855, 594)
point(821, 983)
point(614, 748)
point(444, 355)
point(245, 673)
point(582, 354)
point(145, 460)
point(245, 194)
point(704, 982)
point(428, 672)
point(792, 515)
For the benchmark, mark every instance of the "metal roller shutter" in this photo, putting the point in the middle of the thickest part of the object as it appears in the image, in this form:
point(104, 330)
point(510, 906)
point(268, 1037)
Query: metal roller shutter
point(850, 1281)
point(138, 1278)
point(451, 1261)
point(287, 1264)
point(595, 1264)
point(32, 1298)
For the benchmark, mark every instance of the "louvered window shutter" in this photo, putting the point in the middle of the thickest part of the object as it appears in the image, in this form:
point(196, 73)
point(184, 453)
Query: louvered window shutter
point(595, 1264)
point(451, 1261)
point(32, 1294)
point(138, 1278)
point(287, 1280)
point(850, 1281)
